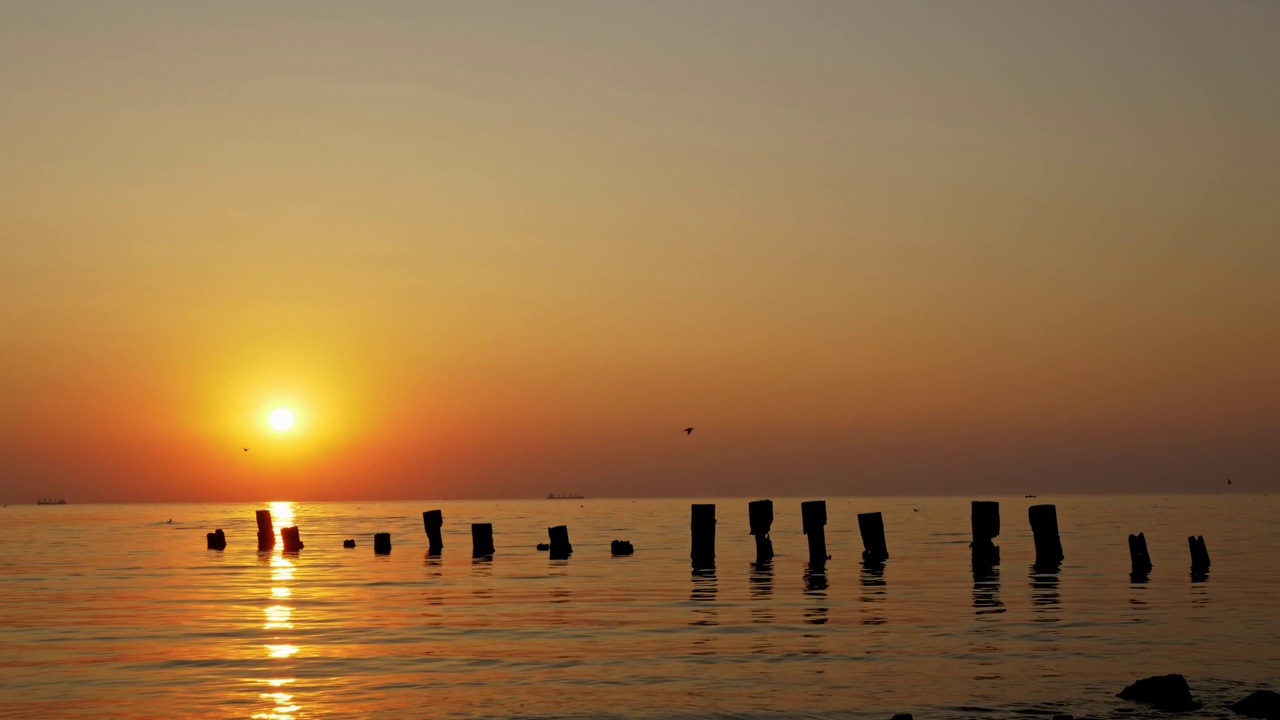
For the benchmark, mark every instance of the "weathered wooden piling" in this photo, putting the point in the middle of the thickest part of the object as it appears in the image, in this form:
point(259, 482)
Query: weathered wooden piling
point(217, 540)
point(560, 548)
point(481, 539)
point(432, 520)
point(291, 539)
point(871, 526)
point(702, 532)
point(1044, 528)
point(621, 547)
point(1199, 555)
point(984, 517)
point(1139, 559)
point(813, 518)
point(544, 546)
point(266, 532)
point(760, 514)
point(348, 544)
point(382, 543)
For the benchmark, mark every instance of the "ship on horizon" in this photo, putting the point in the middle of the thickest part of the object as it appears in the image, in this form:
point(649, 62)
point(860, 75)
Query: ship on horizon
point(51, 501)
point(565, 496)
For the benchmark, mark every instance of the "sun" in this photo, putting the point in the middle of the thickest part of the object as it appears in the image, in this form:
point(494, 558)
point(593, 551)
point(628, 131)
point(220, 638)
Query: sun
point(280, 419)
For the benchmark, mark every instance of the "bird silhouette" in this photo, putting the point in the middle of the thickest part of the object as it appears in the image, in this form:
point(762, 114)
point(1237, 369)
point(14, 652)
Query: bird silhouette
point(246, 449)
point(688, 431)
point(1228, 481)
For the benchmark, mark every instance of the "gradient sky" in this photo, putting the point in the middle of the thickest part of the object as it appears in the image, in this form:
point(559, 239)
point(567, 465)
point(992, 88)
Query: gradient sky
point(500, 249)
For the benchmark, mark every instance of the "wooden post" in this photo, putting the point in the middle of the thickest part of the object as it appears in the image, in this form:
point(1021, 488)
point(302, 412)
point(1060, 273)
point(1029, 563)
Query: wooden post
point(1044, 526)
point(481, 539)
point(349, 543)
point(1139, 560)
point(984, 516)
point(560, 548)
point(217, 540)
point(1199, 555)
point(382, 543)
point(292, 540)
point(266, 533)
point(871, 525)
point(431, 522)
point(621, 547)
point(702, 531)
point(813, 518)
point(760, 515)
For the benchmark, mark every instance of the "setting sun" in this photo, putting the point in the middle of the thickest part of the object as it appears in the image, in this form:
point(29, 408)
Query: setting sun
point(280, 419)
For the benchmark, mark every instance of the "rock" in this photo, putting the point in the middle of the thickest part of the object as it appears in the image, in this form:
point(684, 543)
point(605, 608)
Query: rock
point(1165, 692)
point(348, 543)
point(622, 547)
point(544, 546)
point(1261, 704)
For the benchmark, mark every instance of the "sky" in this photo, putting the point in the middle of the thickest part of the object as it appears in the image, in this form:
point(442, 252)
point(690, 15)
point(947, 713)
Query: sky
point(503, 249)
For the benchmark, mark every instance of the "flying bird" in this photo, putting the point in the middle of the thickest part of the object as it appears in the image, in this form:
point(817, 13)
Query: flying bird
point(688, 431)
point(246, 449)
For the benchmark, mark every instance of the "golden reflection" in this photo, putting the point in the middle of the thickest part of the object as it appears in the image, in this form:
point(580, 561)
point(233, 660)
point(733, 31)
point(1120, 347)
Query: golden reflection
point(279, 621)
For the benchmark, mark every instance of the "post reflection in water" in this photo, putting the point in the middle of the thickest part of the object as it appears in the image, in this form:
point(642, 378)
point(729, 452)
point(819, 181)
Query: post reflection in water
point(1045, 599)
point(761, 610)
point(705, 614)
point(278, 622)
point(986, 592)
point(816, 605)
point(873, 593)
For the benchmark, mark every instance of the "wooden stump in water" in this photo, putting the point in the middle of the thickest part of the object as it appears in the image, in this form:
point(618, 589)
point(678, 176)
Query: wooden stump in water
point(984, 516)
point(760, 514)
point(1139, 559)
point(871, 525)
point(266, 532)
point(217, 540)
point(702, 532)
point(1044, 527)
point(348, 544)
point(382, 543)
point(1199, 555)
point(813, 519)
point(431, 522)
point(560, 548)
point(291, 539)
point(621, 547)
point(481, 539)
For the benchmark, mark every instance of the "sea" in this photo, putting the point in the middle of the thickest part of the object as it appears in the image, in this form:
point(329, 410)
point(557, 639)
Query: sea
point(120, 611)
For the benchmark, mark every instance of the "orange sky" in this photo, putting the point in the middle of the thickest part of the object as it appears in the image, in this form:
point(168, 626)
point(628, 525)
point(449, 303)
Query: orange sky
point(506, 250)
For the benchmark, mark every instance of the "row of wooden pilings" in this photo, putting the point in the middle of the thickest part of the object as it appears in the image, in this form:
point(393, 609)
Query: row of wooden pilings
point(984, 519)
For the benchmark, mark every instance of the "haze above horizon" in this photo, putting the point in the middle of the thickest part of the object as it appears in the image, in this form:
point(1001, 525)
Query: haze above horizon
point(392, 250)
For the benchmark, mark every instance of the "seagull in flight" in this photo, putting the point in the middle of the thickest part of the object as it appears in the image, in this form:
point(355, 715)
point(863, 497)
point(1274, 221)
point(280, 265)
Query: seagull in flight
point(246, 449)
point(688, 431)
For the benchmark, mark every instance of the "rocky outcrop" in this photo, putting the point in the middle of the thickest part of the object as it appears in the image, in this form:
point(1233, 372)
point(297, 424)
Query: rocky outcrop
point(1165, 692)
point(1261, 704)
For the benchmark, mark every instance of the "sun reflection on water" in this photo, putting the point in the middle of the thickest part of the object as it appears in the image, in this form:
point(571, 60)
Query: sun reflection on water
point(279, 620)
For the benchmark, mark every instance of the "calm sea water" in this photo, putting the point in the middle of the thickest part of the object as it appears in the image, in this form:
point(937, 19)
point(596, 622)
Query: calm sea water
point(111, 611)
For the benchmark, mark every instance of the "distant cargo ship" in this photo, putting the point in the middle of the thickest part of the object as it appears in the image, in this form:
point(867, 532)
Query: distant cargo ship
point(568, 496)
point(50, 501)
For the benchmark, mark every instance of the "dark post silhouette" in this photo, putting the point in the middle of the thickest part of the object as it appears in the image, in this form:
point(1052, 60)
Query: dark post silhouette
point(984, 516)
point(871, 525)
point(217, 540)
point(621, 547)
point(431, 522)
point(560, 547)
point(1044, 526)
point(291, 539)
point(348, 544)
point(481, 539)
point(813, 518)
point(1139, 560)
point(266, 532)
point(382, 543)
point(1199, 555)
point(702, 530)
point(760, 513)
